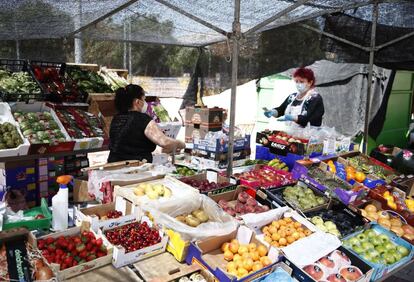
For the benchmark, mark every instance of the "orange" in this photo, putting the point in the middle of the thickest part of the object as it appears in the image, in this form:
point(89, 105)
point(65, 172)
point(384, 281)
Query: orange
point(282, 241)
point(275, 244)
point(288, 220)
point(308, 232)
point(296, 235)
point(268, 239)
point(255, 255)
point(350, 175)
point(276, 224)
point(360, 176)
point(275, 237)
point(298, 224)
point(302, 235)
point(265, 229)
point(262, 250)
point(290, 239)
point(272, 229)
point(257, 266)
point(289, 231)
point(282, 222)
point(282, 234)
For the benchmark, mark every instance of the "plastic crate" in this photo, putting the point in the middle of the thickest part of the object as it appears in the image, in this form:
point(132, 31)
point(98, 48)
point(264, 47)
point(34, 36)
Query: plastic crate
point(34, 224)
point(58, 86)
point(20, 66)
point(380, 270)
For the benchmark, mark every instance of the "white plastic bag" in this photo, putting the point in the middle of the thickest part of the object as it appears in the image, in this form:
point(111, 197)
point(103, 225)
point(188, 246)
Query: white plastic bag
point(97, 177)
point(220, 223)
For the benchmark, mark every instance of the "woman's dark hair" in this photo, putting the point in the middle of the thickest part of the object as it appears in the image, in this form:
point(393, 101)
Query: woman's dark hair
point(125, 96)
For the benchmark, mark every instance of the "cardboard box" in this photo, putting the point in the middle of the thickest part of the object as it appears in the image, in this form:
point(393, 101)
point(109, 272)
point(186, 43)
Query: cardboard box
point(221, 146)
point(171, 270)
point(196, 115)
point(143, 170)
point(170, 129)
point(178, 190)
point(130, 213)
point(231, 197)
point(35, 149)
point(207, 253)
point(302, 276)
point(17, 173)
point(277, 196)
point(303, 251)
point(102, 105)
point(199, 131)
point(16, 239)
point(222, 157)
point(203, 163)
point(213, 176)
point(84, 267)
point(405, 183)
point(121, 257)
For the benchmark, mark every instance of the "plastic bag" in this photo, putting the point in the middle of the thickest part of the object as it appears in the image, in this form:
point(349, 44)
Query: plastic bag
point(98, 177)
point(220, 223)
point(279, 275)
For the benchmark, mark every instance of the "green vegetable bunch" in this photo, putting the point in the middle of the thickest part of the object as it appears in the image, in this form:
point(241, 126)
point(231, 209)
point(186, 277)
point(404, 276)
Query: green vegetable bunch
point(9, 136)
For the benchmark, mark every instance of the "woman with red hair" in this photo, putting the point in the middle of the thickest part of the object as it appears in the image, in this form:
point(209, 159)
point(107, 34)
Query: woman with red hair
point(303, 107)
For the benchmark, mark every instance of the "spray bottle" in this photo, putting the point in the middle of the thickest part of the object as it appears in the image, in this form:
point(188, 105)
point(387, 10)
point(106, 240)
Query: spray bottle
point(60, 204)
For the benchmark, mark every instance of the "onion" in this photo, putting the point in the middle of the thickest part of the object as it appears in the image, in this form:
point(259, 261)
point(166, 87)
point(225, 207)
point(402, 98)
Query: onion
point(44, 273)
point(397, 230)
point(396, 222)
point(384, 222)
point(408, 229)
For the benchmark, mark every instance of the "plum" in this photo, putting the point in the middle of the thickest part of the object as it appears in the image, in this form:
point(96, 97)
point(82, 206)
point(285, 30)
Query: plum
point(251, 202)
point(223, 203)
point(239, 207)
point(249, 209)
point(230, 211)
point(243, 197)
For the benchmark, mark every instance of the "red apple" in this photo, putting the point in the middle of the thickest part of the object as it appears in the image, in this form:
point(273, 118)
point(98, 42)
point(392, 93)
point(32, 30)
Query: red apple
point(327, 262)
point(351, 273)
point(336, 278)
point(314, 271)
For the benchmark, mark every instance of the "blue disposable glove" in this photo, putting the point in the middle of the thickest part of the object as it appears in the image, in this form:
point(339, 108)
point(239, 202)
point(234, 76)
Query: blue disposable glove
point(270, 113)
point(286, 118)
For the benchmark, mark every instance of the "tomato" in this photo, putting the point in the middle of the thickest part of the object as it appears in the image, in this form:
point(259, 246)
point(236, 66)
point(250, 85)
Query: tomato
point(50, 240)
point(99, 242)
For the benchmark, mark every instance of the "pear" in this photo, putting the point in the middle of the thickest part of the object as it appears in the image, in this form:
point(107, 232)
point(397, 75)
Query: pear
point(159, 189)
point(139, 191)
point(153, 195)
point(167, 192)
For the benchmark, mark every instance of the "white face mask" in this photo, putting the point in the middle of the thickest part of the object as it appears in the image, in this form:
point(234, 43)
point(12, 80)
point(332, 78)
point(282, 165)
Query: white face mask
point(302, 88)
point(144, 108)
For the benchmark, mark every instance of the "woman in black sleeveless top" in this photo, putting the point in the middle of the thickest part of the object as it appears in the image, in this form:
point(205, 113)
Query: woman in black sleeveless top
point(133, 134)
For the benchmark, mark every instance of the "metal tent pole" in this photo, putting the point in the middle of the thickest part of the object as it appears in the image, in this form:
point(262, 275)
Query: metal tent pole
point(78, 39)
point(234, 69)
point(370, 74)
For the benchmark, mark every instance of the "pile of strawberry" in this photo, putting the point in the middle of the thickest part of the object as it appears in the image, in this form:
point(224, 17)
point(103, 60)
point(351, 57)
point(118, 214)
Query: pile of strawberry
point(68, 251)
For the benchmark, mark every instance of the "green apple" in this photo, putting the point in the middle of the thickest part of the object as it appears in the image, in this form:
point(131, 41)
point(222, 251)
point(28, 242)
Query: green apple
point(367, 246)
point(370, 233)
point(374, 253)
point(397, 255)
point(375, 241)
point(361, 237)
point(358, 249)
point(384, 238)
point(403, 251)
point(354, 241)
point(378, 260)
point(317, 220)
point(368, 256)
point(347, 244)
point(389, 258)
point(389, 246)
point(381, 249)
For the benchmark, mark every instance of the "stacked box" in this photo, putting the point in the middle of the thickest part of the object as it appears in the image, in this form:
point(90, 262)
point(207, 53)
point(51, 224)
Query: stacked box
point(19, 175)
point(199, 121)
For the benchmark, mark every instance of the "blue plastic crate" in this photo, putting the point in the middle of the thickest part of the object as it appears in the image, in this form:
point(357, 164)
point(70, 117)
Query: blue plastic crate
point(381, 270)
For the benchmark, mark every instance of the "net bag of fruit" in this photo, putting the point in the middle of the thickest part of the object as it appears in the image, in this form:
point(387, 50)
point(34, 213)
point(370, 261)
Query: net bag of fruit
point(196, 219)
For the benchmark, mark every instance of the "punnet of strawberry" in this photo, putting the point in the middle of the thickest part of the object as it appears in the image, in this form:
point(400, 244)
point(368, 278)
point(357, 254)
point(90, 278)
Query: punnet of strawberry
point(69, 251)
point(134, 236)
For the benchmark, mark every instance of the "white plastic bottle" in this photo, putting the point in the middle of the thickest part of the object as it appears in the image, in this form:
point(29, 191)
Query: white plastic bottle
point(60, 205)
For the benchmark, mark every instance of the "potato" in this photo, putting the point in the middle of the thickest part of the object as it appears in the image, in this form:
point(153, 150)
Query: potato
point(202, 216)
point(192, 221)
point(181, 218)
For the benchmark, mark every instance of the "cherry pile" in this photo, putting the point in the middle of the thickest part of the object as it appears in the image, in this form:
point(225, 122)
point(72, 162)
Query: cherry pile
point(204, 185)
point(68, 251)
point(114, 214)
point(133, 236)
